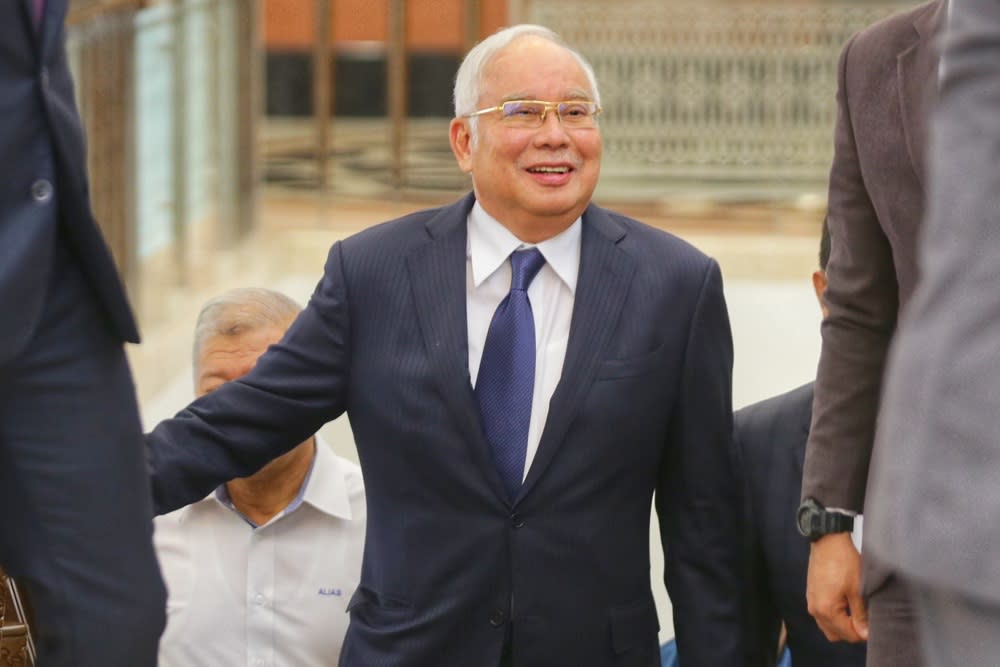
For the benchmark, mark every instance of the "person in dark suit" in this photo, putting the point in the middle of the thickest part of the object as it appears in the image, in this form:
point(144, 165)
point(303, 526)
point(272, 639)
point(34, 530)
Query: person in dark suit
point(770, 443)
point(876, 197)
point(938, 500)
point(77, 517)
point(518, 536)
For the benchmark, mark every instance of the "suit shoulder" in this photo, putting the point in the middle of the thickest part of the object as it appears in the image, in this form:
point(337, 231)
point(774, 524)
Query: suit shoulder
point(646, 239)
point(392, 233)
point(384, 247)
point(888, 36)
point(778, 410)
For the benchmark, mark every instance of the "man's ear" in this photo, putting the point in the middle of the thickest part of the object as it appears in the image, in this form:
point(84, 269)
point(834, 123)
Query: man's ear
point(461, 143)
point(819, 286)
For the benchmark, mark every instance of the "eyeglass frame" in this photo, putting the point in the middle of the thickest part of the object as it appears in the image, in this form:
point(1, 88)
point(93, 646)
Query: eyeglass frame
point(546, 106)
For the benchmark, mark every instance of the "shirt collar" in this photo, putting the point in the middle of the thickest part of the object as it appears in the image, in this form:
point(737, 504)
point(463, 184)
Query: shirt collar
point(490, 244)
point(328, 489)
point(325, 487)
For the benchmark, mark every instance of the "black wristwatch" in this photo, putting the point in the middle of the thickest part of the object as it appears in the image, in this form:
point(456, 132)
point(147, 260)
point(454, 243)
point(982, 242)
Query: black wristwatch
point(814, 521)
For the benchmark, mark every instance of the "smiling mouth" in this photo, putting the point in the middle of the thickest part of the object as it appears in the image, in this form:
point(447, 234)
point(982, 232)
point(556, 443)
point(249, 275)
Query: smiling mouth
point(549, 170)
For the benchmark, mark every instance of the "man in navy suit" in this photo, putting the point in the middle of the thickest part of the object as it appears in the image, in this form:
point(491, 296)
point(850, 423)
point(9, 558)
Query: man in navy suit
point(466, 564)
point(770, 441)
point(77, 518)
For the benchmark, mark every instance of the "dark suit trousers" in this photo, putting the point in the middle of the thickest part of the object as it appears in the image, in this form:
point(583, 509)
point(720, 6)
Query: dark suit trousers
point(893, 639)
point(76, 522)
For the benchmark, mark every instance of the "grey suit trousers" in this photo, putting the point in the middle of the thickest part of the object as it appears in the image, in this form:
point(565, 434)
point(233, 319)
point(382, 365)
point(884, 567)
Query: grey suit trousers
point(894, 628)
point(956, 630)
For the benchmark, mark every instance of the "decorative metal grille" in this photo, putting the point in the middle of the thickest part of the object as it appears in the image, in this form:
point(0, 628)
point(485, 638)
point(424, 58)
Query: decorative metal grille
point(714, 90)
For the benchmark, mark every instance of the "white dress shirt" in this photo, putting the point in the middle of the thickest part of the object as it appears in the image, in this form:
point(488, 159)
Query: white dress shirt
point(551, 293)
point(270, 596)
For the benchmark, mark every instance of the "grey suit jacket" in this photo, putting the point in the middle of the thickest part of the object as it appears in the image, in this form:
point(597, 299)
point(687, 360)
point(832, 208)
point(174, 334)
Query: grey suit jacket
point(887, 74)
point(452, 566)
point(937, 486)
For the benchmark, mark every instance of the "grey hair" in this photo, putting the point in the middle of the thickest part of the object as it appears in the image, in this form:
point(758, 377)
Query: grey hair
point(469, 79)
point(241, 310)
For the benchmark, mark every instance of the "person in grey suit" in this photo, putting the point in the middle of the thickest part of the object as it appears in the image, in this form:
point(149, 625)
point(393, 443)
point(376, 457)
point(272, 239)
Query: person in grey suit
point(936, 482)
point(876, 196)
point(517, 536)
point(769, 438)
point(76, 530)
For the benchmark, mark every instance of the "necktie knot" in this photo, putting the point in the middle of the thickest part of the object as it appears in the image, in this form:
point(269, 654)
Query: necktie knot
point(524, 266)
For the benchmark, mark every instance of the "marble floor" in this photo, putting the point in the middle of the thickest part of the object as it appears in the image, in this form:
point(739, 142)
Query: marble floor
point(767, 250)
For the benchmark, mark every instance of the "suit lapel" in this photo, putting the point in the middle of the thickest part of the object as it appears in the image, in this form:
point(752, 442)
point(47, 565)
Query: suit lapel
point(52, 18)
point(437, 275)
point(27, 11)
point(54, 22)
point(916, 66)
point(605, 275)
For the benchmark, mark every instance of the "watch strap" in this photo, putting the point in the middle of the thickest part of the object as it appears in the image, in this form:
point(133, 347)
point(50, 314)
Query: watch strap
point(826, 522)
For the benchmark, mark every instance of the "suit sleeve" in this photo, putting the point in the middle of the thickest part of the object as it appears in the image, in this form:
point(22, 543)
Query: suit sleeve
point(296, 386)
point(697, 499)
point(862, 298)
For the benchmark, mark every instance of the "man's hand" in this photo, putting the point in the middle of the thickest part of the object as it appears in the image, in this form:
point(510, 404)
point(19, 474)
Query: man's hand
point(833, 588)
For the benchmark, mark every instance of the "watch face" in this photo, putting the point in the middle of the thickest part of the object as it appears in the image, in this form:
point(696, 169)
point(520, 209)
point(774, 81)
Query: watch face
point(804, 518)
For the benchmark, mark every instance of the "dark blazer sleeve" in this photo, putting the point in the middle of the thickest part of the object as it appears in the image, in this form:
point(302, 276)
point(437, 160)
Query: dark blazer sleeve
point(697, 499)
point(862, 298)
point(297, 385)
point(762, 617)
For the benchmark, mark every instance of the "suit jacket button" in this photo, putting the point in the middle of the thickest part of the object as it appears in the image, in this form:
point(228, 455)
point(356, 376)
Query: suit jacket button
point(498, 618)
point(516, 521)
point(41, 191)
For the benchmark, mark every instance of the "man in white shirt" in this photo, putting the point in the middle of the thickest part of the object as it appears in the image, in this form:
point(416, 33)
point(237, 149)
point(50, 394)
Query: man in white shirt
point(260, 571)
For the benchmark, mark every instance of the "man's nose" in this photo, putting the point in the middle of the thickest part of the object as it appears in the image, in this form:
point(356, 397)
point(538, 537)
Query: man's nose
point(552, 129)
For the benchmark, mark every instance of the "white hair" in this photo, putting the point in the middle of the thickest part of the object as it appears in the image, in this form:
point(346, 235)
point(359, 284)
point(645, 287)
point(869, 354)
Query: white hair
point(241, 310)
point(469, 79)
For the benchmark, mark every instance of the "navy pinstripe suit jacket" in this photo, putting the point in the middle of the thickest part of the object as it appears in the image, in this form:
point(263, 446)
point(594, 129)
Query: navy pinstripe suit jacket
point(41, 139)
point(451, 566)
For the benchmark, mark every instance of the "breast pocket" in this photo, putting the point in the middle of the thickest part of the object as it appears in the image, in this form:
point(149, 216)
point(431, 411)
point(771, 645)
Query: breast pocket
point(613, 369)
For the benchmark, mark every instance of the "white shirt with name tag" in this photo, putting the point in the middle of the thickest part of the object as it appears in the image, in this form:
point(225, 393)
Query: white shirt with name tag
point(270, 596)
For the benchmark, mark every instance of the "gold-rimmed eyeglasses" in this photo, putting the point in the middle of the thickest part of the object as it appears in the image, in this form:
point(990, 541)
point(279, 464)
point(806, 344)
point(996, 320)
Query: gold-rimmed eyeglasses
point(531, 113)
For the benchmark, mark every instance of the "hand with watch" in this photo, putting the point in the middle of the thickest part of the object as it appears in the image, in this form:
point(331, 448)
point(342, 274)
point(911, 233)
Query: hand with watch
point(833, 584)
point(814, 521)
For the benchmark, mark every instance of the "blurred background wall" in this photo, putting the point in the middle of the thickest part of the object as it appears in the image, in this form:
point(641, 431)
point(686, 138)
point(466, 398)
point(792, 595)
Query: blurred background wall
point(194, 107)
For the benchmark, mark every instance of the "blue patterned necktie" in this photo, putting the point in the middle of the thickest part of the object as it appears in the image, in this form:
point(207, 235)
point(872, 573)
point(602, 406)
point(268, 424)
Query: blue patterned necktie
point(506, 380)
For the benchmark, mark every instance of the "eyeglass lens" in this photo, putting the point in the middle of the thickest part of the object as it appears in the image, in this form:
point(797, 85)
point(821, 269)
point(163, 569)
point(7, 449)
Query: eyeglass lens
point(529, 113)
